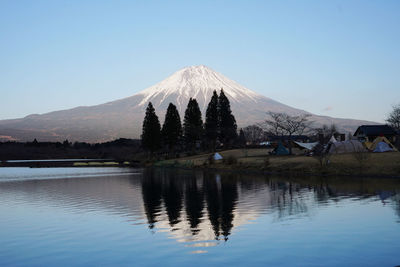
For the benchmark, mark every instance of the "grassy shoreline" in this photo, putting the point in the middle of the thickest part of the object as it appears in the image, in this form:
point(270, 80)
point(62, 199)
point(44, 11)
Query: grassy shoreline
point(369, 164)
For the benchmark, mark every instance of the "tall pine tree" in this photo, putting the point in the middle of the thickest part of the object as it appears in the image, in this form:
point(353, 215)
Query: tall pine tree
point(192, 125)
point(227, 122)
point(241, 139)
point(172, 129)
point(211, 123)
point(151, 136)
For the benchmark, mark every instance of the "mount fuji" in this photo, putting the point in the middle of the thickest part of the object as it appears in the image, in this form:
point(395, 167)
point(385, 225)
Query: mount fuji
point(123, 118)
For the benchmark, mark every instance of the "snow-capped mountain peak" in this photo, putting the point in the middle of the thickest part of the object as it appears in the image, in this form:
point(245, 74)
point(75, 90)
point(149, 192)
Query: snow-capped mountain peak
point(197, 82)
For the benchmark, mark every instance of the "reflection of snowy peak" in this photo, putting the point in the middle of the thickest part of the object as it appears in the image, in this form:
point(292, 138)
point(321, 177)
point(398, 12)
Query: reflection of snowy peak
point(124, 117)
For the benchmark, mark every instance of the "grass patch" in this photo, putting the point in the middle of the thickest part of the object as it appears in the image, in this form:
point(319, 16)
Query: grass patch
point(341, 164)
point(79, 164)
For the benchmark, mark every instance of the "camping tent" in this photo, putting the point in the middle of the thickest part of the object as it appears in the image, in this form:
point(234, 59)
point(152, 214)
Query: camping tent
point(382, 147)
point(349, 146)
point(379, 139)
point(217, 156)
point(281, 150)
point(333, 139)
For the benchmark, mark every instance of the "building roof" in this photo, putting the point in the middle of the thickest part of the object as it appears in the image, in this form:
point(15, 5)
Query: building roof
point(375, 130)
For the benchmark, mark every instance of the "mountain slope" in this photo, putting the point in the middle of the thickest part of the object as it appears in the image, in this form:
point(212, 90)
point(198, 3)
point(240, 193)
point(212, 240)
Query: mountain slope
point(123, 118)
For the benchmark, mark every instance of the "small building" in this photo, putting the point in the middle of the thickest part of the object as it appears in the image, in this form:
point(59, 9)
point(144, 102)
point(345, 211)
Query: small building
point(368, 133)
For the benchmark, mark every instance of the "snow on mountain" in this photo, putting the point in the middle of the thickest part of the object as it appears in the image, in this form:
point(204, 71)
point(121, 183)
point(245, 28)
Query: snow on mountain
point(123, 118)
point(197, 82)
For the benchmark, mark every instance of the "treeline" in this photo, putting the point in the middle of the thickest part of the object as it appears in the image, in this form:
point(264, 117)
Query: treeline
point(120, 149)
point(218, 130)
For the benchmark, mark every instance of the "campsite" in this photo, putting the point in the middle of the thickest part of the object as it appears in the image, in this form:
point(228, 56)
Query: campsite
point(375, 164)
point(359, 155)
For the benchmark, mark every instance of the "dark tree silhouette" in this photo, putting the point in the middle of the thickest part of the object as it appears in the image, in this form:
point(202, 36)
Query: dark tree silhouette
point(172, 129)
point(151, 137)
point(227, 122)
point(242, 138)
point(211, 123)
point(192, 125)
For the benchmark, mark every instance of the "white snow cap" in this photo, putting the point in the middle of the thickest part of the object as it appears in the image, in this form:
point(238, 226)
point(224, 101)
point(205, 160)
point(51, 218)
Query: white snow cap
point(197, 82)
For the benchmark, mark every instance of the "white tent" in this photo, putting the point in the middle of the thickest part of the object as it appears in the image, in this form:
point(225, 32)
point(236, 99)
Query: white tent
point(217, 156)
point(333, 139)
point(350, 146)
point(382, 147)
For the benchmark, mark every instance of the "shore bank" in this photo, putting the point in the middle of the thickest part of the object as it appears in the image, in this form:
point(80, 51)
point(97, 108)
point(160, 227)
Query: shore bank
point(365, 164)
point(68, 163)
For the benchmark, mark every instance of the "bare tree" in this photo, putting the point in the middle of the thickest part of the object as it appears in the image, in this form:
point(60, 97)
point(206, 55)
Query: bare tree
point(394, 117)
point(321, 155)
point(274, 124)
point(280, 124)
point(253, 133)
point(327, 132)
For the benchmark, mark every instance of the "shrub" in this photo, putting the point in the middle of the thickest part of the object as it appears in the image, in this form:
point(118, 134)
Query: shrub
point(230, 160)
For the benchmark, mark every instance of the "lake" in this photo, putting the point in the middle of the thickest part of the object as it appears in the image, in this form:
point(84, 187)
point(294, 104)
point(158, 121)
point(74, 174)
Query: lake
point(158, 217)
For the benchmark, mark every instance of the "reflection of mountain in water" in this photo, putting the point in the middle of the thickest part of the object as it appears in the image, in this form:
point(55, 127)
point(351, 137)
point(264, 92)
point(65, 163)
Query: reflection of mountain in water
point(200, 208)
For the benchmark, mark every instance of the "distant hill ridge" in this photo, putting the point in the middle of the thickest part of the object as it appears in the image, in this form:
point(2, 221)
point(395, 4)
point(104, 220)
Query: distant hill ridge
point(123, 118)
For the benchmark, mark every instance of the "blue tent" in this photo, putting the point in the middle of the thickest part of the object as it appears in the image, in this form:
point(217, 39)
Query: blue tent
point(281, 150)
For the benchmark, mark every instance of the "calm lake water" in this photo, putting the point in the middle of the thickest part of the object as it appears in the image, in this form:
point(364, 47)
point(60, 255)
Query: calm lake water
point(111, 216)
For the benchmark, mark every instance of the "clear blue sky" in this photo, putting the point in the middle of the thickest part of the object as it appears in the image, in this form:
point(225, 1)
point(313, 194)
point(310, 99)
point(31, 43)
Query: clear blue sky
point(336, 58)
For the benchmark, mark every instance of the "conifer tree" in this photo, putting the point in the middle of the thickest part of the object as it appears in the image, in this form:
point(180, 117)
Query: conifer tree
point(227, 121)
point(241, 138)
point(151, 136)
point(211, 123)
point(192, 125)
point(172, 128)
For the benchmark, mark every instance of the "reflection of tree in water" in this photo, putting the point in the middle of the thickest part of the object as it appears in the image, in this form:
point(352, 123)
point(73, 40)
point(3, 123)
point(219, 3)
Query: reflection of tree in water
point(288, 198)
point(229, 196)
point(172, 195)
point(221, 196)
point(213, 203)
point(194, 203)
point(323, 192)
point(152, 193)
point(284, 198)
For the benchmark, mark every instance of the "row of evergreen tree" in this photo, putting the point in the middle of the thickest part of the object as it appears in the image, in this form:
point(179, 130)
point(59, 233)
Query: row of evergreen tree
point(219, 127)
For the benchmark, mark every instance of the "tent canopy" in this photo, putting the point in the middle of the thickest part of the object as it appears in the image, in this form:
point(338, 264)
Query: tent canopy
point(308, 146)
